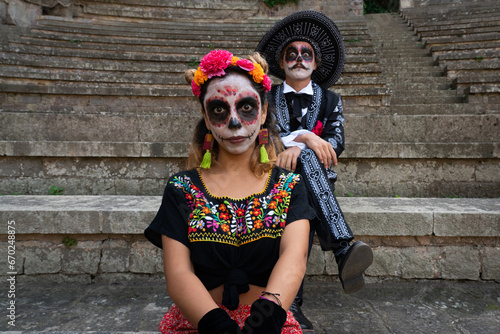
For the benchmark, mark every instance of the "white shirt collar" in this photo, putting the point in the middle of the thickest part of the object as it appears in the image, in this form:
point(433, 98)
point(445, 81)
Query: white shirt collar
point(306, 90)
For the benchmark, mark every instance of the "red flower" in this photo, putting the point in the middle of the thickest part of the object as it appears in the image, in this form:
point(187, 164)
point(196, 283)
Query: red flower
point(318, 129)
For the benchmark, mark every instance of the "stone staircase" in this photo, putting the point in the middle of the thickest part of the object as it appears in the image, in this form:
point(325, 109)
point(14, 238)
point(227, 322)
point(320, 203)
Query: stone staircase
point(98, 95)
point(94, 102)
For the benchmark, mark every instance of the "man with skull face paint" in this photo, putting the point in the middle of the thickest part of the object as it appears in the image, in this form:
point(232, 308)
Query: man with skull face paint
point(306, 50)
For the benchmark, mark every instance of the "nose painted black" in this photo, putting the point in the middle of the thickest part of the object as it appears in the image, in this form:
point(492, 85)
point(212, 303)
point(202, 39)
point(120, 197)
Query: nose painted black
point(234, 123)
point(299, 57)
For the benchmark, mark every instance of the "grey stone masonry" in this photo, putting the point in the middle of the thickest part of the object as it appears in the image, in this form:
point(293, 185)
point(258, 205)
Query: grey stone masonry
point(464, 41)
point(412, 238)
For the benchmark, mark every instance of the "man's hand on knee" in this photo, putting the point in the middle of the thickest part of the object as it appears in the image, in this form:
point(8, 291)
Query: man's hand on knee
point(288, 158)
point(324, 151)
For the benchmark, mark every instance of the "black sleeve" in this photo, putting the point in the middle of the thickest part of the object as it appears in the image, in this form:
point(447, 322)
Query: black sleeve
point(333, 122)
point(299, 204)
point(172, 217)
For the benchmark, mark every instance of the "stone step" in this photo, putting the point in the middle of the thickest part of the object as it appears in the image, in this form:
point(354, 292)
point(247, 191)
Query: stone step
point(108, 230)
point(402, 91)
point(471, 46)
point(422, 98)
point(163, 11)
point(459, 39)
point(178, 128)
point(137, 304)
point(426, 170)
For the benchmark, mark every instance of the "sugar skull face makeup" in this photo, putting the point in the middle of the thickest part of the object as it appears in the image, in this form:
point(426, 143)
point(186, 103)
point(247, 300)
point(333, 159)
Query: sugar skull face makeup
point(298, 61)
point(233, 112)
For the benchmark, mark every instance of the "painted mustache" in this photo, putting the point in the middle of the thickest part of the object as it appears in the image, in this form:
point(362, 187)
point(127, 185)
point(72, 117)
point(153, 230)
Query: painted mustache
point(298, 65)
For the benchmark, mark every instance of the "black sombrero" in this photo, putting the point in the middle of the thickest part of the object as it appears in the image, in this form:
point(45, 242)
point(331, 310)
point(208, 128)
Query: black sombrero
point(315, 28)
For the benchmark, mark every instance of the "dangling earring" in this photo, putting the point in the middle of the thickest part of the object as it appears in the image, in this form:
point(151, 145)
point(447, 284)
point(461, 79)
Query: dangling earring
point(207, 147)
point(263, 140)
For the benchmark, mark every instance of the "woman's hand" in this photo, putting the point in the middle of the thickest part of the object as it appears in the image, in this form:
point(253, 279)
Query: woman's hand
point(288, 158)
point(324, 151)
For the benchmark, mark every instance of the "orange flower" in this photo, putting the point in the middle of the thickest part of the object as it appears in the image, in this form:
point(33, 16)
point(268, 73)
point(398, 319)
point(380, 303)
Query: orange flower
point(200, 77)
point(257, 73)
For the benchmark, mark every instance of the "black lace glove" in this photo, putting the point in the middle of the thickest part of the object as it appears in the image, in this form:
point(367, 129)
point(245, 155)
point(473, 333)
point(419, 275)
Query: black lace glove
point(217, 321)
point(265, 317)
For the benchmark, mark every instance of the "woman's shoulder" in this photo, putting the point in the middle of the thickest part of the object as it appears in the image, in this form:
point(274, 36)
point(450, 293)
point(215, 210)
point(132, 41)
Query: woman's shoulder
point(185, 173)
point(186, 177)
point(284, 175)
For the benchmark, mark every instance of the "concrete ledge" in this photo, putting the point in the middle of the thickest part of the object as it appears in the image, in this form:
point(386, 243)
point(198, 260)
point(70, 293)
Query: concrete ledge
point(411, 238)
point(378, 150)
point(367, 216)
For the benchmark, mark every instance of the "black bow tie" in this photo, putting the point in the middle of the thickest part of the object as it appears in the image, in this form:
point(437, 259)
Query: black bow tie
point(300, 101)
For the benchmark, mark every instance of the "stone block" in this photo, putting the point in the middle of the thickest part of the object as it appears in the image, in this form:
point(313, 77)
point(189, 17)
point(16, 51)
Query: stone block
point(316, 261)
point(54, 222)
point(467, 224)
point(128, 222)
point(22, 13)
point(330, 264)
point(459, 262)
point(81, 259)
point(488, 172)
point(115, 256)
point(40, 257)
point(145, 258)
point(385, 262)
point(417, 262)
point(491, 263)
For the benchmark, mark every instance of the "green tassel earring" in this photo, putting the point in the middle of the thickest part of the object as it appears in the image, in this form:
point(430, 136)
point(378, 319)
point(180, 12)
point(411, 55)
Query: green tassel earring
point(263, 140)
point(207, 147)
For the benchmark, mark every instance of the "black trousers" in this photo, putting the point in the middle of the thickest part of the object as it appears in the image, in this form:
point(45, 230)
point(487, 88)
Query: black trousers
point(330, 225)
point(332, 228)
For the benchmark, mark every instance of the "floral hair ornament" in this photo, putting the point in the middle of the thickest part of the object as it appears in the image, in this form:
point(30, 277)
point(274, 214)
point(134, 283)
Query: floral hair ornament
point(215, 63)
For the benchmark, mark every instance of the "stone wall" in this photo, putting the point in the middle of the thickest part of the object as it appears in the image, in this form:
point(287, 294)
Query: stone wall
point(423, 3)
point(90, 236)
point(24, 12)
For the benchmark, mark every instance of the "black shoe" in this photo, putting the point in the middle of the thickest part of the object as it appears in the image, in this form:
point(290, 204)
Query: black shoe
point(299, 316)
point(352, 262)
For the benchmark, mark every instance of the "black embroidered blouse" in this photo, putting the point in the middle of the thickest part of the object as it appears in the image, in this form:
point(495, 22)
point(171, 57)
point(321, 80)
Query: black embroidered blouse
point(234, 242)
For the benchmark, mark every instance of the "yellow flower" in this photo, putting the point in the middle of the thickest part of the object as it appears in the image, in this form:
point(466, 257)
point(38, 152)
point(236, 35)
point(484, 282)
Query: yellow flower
point(200, 77)
point(257, 73)
point(234, 60)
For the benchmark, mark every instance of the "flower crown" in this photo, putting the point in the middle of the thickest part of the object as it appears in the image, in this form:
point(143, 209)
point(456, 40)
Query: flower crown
point(216, 61)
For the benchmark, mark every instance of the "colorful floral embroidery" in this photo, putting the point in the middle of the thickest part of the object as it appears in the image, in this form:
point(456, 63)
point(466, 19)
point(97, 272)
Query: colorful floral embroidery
point(237, 222)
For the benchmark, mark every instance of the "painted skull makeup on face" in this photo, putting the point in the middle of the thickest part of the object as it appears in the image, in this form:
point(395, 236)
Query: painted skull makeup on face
point(298, 60)
point(233, 112)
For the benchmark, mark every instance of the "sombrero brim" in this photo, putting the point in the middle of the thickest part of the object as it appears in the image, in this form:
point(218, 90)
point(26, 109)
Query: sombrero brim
point(315, 28)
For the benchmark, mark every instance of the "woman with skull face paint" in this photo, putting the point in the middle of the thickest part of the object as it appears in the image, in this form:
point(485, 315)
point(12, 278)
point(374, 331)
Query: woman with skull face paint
point(233, 231)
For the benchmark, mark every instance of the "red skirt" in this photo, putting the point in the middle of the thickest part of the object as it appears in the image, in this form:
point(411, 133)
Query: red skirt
point(175, 322)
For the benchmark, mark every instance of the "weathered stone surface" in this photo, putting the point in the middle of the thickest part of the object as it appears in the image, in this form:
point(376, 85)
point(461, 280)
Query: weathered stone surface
point(145, 258)
point(467, 224)
point(316, 262)
point(82, 258)
point(22, 13)
point(490, 268)
point(459, 262)
point(40, 257)
point(115, 256)
point(427, 262)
